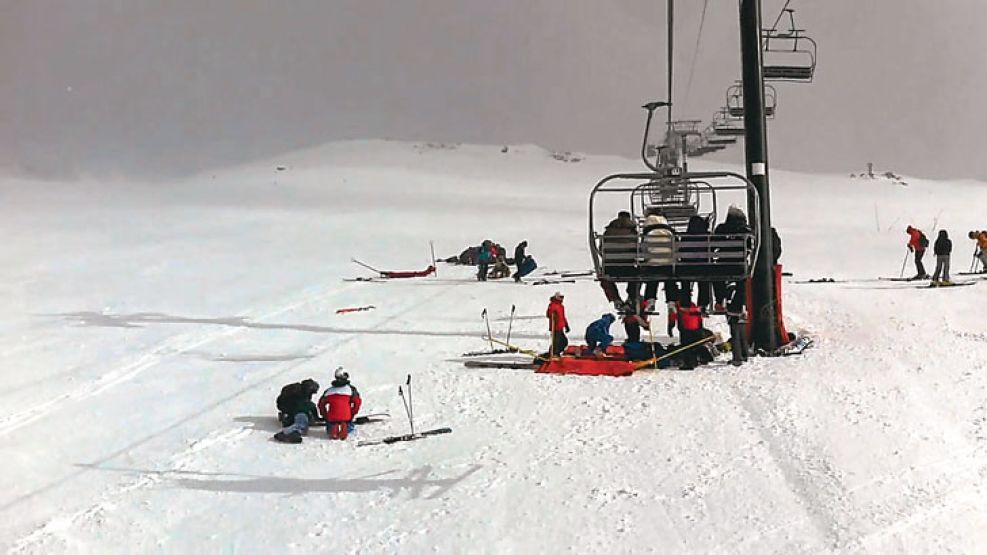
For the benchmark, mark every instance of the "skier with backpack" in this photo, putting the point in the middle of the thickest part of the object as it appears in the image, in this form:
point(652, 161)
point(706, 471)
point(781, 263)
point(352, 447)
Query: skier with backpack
point(296, 410)
point(917, 243)
point(339, 405)
point(942, 249)
point(981, 249)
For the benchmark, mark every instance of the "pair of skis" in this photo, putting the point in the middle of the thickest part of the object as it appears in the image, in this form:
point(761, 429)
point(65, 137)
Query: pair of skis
point(410, 411)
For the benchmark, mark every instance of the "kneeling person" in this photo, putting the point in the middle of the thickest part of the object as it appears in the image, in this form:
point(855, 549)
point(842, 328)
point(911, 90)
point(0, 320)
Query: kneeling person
point(296, 410)
point(339, 405)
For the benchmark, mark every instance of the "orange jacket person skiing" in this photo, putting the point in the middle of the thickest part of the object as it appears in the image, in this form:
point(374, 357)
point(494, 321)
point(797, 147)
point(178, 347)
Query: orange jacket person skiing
point(917, 243)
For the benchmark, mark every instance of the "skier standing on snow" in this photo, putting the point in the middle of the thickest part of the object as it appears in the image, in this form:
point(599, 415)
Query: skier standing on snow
point(690, 330)
point(519, 254)
point(484, 258)
point(917, 243)
point(736, 318)
point(557, 324)
point(942, 250)
point(981, 238)
point(339, 405)
point(296, 410)
point(598, 336)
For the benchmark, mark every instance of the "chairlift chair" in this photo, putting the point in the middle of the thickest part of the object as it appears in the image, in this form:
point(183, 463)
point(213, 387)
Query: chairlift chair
point(788, 55)
point(652, 254)
point(735, 100)
point(726, 126)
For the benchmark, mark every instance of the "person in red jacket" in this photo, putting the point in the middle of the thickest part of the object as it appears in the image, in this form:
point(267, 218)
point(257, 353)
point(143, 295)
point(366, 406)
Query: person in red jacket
point(557, 324)
point(917, 243)
point(690, 320)
point(339, 405)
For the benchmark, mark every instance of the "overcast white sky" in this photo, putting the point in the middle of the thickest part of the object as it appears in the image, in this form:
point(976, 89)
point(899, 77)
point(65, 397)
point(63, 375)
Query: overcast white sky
point(157, 87)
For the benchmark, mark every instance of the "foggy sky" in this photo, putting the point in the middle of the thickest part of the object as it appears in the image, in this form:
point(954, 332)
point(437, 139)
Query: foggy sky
point(154, 87)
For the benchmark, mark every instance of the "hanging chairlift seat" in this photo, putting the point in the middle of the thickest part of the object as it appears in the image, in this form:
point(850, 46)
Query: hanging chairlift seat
point(788, 55)
point(662, 252)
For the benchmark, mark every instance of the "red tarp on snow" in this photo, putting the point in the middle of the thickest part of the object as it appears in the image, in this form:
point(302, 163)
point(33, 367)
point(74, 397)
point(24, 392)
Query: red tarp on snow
point(573, 363)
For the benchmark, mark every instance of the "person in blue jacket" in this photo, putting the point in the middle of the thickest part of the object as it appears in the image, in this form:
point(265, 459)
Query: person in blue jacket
point(598, 336)
point(484, 259)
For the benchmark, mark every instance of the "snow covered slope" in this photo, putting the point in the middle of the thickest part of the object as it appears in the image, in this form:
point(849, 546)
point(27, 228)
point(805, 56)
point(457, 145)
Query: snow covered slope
point(147, 328)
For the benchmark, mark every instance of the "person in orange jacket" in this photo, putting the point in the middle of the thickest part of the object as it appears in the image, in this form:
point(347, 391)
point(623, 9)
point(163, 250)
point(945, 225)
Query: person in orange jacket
point(557, 324)
point(981, 238)
point(917, 243)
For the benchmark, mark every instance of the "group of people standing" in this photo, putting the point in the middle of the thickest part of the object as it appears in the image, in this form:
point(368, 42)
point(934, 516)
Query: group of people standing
point(918, 243)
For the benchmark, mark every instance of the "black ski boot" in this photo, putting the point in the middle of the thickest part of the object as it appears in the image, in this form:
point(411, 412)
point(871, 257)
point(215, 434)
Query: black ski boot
point(290, 437)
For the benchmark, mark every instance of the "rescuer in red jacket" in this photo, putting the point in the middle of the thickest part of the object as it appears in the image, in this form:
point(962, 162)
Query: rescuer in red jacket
point(690, 320)
point(557, 324)
point(339, 405)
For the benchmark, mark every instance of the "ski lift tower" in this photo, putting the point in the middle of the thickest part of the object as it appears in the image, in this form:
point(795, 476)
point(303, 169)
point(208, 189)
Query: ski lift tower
point(764, 305)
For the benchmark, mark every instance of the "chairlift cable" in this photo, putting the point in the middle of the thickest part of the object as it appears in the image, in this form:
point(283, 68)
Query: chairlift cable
point(671, 54)
point(695, 55)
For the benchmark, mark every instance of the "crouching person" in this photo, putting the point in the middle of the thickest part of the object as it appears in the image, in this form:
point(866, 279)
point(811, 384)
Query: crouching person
point(296, 410)
point(339, 405)
point(598, 336)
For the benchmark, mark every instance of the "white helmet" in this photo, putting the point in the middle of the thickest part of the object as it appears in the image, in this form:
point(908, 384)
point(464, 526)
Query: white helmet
point(342, 374)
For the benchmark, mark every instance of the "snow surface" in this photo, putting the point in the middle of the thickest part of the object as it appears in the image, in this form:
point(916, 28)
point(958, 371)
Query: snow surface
point(147, 328)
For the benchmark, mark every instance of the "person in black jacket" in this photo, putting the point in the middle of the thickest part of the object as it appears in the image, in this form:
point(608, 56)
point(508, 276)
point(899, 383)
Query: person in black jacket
point(943, 248)
point(697, 234)
point(734, 227)
point(296, 410)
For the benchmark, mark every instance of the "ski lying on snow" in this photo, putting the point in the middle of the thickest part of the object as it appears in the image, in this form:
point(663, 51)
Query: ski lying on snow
point(406, 437)
point(552, 281)
point(365, 419)
point(902, 279)
point(956, 284)
point(507, 364)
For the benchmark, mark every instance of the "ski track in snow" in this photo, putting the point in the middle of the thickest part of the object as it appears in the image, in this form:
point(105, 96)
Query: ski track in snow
point(56, 528)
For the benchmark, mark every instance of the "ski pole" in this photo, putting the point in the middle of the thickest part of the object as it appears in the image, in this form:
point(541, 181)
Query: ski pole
point(411, 406)
point(431, 247)
point(904, 261)
point(487, 320)
point(406, 409)
point(973, 263)
point(510, 324)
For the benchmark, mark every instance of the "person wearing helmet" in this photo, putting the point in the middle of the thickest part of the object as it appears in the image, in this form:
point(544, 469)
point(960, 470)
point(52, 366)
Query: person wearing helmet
point(296, 410)
point(598, 336)
point(339, 405)
point(557, 324)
